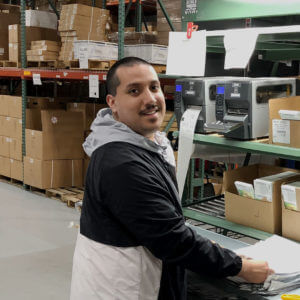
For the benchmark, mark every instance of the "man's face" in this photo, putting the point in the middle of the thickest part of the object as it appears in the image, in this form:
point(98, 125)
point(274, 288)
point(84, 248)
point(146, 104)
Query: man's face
point(139, 102)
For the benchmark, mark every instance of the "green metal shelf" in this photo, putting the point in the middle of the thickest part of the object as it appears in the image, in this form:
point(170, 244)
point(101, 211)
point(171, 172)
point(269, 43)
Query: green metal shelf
point(214, 10)
point(248, 146)
point(227, 225)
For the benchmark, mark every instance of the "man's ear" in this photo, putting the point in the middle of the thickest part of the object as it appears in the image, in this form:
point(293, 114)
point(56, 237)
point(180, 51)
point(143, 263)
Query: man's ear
point(111, 102)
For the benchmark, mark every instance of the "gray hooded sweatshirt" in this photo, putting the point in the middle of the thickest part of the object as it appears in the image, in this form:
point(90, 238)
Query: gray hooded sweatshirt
point(105, 129)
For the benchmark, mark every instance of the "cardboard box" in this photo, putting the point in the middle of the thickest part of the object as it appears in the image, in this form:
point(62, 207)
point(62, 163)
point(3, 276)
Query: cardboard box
point(13, 33)
point(44, 43)
point(42, 57)
point(4, 166)
point(15, 149)
point(291, 224)
point(14, 106)
point(89, 111)
point(9, 14)
point(46, 47)
point(45, 103)
point(15, 128)
point(41, 52)
point(33, 119)
point(7, 126)
point(16, 169)
point(2, 126)
point(284, 132)
point(60, 137)
point(14, 52)
point(82, 10)
point(4, 146)
point(259, 214)
point(32, 34)
point(46, 174)
point(3, 105)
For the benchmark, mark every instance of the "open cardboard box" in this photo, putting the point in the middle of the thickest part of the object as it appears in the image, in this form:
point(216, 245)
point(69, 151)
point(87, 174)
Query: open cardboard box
point(259, 214)
point(291, 218)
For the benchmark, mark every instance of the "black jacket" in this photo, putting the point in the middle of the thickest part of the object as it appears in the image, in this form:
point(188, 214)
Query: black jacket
point(131, 199)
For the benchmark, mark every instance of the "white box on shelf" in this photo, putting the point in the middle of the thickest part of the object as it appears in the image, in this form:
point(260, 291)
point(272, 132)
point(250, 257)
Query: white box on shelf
point(154, 54)
point(95, 50)
point(39, 18)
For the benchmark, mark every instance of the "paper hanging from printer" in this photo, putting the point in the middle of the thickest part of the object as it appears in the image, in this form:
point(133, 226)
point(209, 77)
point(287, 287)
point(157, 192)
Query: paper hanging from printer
point(186, 146)
point(186, 57)
point(239, 45)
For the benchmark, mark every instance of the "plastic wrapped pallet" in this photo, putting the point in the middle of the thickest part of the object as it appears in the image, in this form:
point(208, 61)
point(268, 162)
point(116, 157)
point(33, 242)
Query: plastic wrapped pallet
point(154, 54)
point(85, 50)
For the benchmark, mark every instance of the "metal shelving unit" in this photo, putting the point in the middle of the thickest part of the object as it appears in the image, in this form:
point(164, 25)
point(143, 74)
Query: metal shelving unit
point(240, 146)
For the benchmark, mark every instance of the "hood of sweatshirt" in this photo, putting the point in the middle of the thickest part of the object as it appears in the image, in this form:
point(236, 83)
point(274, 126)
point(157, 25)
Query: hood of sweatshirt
point(105, 129)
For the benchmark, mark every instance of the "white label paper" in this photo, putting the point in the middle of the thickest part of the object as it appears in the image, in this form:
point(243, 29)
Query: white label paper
point(186, 146)
point(186, 57)
point(83, 63)
point(281, 131)
point(239, 45)
point(94, 86)
point(36, 79)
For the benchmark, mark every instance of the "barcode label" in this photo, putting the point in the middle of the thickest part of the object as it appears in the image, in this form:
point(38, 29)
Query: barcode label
point(281, 131)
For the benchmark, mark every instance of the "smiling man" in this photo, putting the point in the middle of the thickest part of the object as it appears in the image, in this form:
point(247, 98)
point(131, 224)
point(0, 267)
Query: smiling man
point(133, 242)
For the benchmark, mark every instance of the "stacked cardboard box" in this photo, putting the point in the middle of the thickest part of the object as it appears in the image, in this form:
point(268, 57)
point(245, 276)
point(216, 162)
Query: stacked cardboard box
point(43, 50)
point(80, 22)
point(10, 16)
point(173, 8)
point(54, 154)
point(11, 137)
point(89, 111)
point(32, 34)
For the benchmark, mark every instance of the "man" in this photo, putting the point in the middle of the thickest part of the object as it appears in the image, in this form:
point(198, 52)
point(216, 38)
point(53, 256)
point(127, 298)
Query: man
point(133, 241)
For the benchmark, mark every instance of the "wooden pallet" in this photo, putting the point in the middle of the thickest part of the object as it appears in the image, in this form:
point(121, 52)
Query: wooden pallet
point(9, 64)
point(93, 64)
point(10, 180)
point(68, 195)
point(49, 64)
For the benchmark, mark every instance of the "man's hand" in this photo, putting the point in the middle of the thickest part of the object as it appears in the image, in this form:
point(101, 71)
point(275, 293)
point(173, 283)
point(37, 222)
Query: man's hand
point(255, 271)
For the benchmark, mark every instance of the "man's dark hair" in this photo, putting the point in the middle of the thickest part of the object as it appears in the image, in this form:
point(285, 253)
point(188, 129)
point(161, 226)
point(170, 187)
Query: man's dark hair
point(112, 80)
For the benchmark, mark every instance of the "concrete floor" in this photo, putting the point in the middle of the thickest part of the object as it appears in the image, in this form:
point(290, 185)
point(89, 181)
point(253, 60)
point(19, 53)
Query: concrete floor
point(36, 245)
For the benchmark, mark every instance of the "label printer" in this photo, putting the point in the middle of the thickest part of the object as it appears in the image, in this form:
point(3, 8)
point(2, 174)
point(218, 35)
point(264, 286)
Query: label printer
point(198, 92)
point(242, 105)
point(237, 107)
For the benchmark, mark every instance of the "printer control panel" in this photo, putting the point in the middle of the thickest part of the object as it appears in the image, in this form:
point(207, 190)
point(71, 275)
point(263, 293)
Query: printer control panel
point(220, 102)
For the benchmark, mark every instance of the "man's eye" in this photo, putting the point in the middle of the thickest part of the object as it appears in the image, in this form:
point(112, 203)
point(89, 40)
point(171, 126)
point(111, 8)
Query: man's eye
point(155, 88)
point(133, 91)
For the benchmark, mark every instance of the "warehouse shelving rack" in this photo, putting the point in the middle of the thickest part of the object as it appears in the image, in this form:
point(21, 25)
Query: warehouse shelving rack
point(272, 47)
